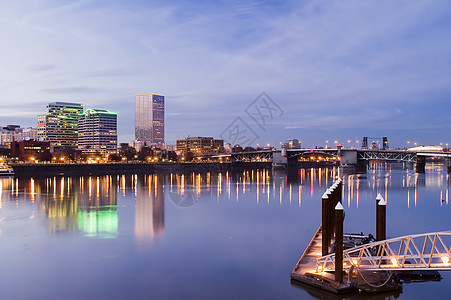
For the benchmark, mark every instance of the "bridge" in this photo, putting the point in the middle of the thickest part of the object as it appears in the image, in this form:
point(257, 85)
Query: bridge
point(349, 158)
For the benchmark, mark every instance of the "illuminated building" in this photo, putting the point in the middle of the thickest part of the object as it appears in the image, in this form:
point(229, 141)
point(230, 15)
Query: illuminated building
point(200, 146)
point(149, 118)
point(30, 150)
point(59, 125)
point(97, 131)
point(292, 144)
point(9, 134)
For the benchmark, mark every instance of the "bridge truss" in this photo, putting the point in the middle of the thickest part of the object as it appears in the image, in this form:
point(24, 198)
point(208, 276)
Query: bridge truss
point(252, 156)
point(430, 251)
point(404, 156)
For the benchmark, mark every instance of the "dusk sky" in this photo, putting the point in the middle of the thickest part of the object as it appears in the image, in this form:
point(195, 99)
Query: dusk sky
point(338, 70)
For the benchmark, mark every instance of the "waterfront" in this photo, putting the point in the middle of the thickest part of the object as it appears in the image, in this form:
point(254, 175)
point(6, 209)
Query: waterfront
point(196, 236)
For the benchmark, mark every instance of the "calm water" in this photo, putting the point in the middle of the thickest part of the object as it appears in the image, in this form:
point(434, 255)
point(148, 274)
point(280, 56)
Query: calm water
point(195, 236)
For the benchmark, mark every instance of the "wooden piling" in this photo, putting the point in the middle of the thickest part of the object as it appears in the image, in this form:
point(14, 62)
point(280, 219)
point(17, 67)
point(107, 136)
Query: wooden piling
point(325, 224)
point(339, 216)
point(381, 219)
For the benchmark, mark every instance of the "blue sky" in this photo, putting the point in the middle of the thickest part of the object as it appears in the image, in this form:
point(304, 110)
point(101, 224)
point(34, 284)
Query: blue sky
point(339, 70)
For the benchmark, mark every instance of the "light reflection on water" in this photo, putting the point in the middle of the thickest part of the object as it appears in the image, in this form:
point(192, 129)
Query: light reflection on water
point(247, 228)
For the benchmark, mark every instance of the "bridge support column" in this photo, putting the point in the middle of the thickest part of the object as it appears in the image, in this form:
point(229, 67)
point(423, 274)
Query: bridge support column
point(420, 166)
point(292, 162)
point(339, 217)
point(351, 163)
point(448, 165)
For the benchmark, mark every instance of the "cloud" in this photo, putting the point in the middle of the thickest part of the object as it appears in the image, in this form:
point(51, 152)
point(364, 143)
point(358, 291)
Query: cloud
point(341, 64)
point(72, 90)
point(42, 68)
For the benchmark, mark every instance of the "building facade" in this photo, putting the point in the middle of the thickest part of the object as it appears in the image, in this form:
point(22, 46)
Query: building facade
point(59, 125)
point(30, 150)
point(149, 118)
point(97, 131)
point(9, 134)
point(200, 146)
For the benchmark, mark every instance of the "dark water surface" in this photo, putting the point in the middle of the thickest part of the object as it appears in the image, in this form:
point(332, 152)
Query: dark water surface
point(196, 236)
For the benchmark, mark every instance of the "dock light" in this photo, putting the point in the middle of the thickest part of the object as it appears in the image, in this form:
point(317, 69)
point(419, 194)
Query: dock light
point(319, 269)
point(445, 259)
point(394, 262)
point(355, 263)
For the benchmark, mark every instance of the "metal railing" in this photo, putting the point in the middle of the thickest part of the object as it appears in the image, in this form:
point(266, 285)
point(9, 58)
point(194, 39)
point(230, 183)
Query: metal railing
point(412, 252)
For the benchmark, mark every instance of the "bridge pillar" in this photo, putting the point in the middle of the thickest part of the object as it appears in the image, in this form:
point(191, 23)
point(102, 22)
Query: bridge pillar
point(292, 162)
point(351, 163)
point(420, 166)
point(448, 165)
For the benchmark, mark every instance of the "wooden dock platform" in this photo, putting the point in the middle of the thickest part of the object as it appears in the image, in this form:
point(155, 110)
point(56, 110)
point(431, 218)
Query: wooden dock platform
point(305, 270)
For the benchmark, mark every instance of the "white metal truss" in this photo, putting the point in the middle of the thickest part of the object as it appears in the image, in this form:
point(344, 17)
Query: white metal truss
point(404, 156)
point(430, 251)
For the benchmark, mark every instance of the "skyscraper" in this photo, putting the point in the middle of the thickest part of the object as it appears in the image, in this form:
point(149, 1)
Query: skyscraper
point(149, 118)
point(59, 125)
point(97, 131)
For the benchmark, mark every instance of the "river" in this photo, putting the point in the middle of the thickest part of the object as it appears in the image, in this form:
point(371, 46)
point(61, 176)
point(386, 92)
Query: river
point(197, 236)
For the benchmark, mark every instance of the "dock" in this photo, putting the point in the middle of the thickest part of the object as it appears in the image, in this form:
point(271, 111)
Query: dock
point(305, 270)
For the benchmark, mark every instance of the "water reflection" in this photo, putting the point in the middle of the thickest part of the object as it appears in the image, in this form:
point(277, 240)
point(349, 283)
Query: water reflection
point(386, 183)
point(149, 208)
point(89, 204)
point(255, 220)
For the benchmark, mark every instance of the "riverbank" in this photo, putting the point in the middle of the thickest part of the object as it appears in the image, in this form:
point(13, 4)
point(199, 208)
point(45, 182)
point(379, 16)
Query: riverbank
point(45, 170)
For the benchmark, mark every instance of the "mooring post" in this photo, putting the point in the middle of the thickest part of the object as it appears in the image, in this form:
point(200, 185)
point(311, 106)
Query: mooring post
point(381, 218)
point(330, 216)
point(340, 189)
point(339, 217)
point(326, 226)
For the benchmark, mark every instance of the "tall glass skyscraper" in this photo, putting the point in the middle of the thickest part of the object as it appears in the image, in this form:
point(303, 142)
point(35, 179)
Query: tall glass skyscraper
point(59, 125)
point(149, 118)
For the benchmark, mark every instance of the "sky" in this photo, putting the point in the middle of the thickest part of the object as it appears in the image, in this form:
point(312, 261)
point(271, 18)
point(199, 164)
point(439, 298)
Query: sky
point(335, 70)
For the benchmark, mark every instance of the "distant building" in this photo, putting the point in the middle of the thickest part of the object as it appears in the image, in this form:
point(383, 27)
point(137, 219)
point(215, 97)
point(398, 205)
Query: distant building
point(97, 131)
point(30, 134)
point(149, 118)
point(30, 150)
point(59, 125)
point(200, 146)
point(9, 134)
point(292, 144)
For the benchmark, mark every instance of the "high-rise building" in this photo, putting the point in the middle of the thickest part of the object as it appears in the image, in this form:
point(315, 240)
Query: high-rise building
point(97, 131)
point(149, 118)
point(59, 125)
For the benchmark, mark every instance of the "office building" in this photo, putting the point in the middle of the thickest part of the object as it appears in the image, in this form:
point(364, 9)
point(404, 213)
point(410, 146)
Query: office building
point(30, 150)
point(149, 118)
point(200, 146)
point(97, 131)
point(59, 125)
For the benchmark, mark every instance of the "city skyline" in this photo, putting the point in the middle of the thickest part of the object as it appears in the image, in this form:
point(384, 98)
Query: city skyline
point(339, 71)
